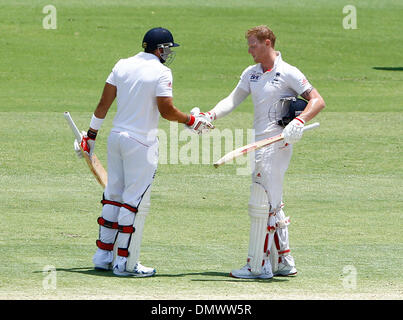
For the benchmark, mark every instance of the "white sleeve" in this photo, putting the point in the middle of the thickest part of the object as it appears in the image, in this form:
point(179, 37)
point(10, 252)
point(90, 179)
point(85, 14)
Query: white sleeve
point(297, 81)
point(244, 83)
point(164, 84)
point(112, 76)
point(226, 105)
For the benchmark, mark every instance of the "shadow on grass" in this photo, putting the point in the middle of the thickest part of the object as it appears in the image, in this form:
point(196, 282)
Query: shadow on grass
point(388, 68)
point(228, 278)
point(108, 273)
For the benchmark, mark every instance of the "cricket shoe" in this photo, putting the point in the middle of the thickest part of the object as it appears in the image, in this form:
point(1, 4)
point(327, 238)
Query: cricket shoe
point(102, 259)
point(285, 270)
point(139, 271)
point(245, 272)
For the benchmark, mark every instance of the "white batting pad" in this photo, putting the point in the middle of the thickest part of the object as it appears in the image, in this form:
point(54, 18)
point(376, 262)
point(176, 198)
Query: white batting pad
point(259, 213)
point(135, 243)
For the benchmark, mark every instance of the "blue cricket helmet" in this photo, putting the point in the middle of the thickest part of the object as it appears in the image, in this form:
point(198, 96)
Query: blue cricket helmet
point(156, 37)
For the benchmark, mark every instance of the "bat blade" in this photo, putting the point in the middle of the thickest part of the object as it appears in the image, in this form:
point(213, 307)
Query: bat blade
point(255, 146)
point(93, 162)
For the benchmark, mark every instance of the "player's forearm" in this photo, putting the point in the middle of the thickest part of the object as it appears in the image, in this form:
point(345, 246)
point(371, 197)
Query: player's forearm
point(169, 112)
point(107, 98)
point(314, 106)
point(175, 115)
point(101, 110)
point(228, 104)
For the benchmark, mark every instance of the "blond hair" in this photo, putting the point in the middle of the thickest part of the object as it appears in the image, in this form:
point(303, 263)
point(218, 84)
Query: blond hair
point(262, 33)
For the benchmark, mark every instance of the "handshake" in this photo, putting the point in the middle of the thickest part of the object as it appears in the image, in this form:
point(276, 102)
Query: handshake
point(200, 122)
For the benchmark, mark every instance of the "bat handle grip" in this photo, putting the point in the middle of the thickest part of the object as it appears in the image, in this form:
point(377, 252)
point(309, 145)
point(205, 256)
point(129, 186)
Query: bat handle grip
point(73, 126)
point(311, 126)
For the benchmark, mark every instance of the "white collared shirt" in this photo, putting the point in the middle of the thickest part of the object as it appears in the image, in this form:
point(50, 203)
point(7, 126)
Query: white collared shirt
point(267, 88)
point(139, 80)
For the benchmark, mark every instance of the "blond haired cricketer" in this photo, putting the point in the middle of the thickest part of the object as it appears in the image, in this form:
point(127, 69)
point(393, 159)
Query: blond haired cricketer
point(270, 82)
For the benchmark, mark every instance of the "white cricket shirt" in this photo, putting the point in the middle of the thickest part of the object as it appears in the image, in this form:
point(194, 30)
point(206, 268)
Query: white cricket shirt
point(267, 88)
point(139, 80)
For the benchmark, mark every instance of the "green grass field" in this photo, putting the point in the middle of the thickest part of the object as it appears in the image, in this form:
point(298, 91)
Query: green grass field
point(343, 190)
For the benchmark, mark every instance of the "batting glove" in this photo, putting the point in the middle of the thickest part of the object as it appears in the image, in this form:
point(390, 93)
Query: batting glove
point(210, 117)
point(88, 142)
point(77, 149)
point(199, 124)
point(293, 131)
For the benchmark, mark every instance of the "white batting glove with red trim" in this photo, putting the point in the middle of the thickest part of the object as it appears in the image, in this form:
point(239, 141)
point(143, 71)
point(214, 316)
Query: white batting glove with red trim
point(88, 142)
point(293, 131)
point(209, 116)
point(77, 148)
point(198, 124)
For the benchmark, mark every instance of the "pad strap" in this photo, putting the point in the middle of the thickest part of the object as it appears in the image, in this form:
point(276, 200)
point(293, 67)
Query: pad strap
point(123, 252)
point(126, 229)
point(118, 204)
point(112, 203)
point(107, 224)
point(129, 207)
point(104, 246)
point(284, 252)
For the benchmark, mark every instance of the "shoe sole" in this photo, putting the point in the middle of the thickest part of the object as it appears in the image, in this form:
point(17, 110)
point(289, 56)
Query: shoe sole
point(285, 275)
point(132, 274)
point(250, 277)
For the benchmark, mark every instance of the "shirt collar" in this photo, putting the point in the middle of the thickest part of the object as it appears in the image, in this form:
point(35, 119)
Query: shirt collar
point(148, 56)
point(276, 62)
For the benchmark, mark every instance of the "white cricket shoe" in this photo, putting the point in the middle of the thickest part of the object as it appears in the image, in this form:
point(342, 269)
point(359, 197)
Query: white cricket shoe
point(102, 259)
point(139, 271)
point(245, 273)
point(285, 269)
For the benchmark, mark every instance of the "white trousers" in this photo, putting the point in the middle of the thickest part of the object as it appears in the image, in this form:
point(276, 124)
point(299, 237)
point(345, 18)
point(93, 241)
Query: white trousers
point(131, 169)
point(270, 165)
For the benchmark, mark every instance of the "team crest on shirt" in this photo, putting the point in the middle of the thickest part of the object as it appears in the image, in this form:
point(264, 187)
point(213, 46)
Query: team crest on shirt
point(276, 78)
point(275, 81)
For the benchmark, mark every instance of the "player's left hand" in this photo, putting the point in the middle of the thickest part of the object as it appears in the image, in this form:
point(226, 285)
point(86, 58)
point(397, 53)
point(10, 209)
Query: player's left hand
point(293, 131)
point(77, 149)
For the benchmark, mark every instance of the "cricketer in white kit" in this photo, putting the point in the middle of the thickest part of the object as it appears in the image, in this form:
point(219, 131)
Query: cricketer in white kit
point(269, 82)
point(142, 85)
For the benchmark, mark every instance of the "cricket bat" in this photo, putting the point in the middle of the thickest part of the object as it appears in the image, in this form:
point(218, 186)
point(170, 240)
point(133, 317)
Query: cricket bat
point(93, 162)
point(256, 145)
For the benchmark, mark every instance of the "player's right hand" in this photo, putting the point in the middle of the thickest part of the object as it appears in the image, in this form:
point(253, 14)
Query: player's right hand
point(199, 124)
point(87, 144)
point(209, 116)
point(293, 131)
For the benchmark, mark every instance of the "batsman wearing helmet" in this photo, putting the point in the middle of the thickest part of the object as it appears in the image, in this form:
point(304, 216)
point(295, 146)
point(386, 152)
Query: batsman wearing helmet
point(274, 86)
point(142, 85)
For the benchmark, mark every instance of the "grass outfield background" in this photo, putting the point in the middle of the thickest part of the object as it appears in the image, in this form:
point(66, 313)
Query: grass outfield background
point(343, 190)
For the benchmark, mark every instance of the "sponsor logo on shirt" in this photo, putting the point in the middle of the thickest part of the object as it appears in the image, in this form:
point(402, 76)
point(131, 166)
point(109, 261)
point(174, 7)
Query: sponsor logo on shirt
point(254, 77)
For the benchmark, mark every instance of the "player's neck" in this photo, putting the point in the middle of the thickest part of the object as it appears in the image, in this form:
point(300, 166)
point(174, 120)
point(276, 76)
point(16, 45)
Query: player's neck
point(268, 63)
